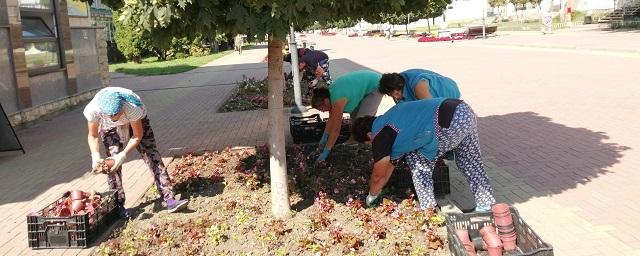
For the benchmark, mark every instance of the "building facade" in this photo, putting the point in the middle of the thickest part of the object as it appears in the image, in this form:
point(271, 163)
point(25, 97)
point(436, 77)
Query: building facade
point(51, 57)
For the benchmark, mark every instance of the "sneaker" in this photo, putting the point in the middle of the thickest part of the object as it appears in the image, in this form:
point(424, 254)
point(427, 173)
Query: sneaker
point(480, 209)
point(123, 213)
point(477, 209)
point(177, 205)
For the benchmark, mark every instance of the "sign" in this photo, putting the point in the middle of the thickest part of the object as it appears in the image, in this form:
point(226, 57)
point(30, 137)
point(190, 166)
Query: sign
point(8, 138)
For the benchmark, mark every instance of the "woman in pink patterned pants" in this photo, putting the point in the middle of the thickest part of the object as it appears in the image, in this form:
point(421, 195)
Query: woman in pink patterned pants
point(117, 116)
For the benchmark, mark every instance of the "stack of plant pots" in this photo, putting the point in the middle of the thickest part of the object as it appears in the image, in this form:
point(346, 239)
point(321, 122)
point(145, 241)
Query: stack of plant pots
point(492, 239)
point(504, 222)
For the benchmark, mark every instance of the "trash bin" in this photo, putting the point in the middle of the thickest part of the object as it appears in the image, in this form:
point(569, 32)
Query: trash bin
point(588, 19)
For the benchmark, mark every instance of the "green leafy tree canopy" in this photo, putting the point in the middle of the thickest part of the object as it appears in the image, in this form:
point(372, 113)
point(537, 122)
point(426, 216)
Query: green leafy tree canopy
point(252, 17)
point(497, 3)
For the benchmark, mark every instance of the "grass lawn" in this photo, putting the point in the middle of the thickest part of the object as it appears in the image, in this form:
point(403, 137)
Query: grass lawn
point(152, 67)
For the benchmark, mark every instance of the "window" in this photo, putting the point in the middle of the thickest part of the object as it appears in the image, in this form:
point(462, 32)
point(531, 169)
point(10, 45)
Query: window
point(35, 28)
point(40, 34)
point(77, 8)
point(37, 4)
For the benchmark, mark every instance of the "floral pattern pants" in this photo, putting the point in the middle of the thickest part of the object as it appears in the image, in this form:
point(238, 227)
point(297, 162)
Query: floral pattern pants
point(462, 138)
point(150, 155)
point(326, 76)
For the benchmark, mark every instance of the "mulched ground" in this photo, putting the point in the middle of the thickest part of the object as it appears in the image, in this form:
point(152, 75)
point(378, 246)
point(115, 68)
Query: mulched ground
point(230, 213)
point(251, 94)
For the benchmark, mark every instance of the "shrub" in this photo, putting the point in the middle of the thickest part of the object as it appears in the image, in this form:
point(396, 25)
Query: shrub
point(131, 41)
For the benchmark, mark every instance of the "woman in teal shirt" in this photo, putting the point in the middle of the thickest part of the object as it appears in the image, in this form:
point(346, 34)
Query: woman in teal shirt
point(355, 93)
point(422, 131)
point(417, 84)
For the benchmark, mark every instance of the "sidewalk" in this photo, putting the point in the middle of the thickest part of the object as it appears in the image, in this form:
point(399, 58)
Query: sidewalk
point(557, 128)
point(600, 40)
point(183, 112)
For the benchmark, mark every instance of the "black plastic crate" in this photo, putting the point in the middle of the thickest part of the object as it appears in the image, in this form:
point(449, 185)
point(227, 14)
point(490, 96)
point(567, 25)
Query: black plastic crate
point(75, 231)
point(309, 129)
point(528, 242)
point(401, 178)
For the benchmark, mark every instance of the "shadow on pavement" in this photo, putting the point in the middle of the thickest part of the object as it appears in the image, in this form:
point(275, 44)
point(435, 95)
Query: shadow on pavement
point(530, 156)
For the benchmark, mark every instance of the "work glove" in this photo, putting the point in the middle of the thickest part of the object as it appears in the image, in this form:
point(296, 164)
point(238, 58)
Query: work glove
point(118, 160)
point(323, 140)
point(370, 199)
point(95, 160)
point(323, 156)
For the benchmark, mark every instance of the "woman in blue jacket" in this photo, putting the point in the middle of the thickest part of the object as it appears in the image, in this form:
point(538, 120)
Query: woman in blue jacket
point(422, 131)
point(418, 84)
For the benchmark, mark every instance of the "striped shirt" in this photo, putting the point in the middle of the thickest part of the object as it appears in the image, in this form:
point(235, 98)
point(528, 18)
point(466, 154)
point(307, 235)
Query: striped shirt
point(131, 111)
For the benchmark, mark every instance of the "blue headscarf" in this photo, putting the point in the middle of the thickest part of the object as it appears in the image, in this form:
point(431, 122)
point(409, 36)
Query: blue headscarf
point(110, 101)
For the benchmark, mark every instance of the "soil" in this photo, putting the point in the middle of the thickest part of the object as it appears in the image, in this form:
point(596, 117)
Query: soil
point(229, 211)
point(251, 94)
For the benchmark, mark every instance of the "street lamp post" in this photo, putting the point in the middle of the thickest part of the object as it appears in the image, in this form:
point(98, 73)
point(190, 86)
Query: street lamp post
point(484, 14)
point(297, 92)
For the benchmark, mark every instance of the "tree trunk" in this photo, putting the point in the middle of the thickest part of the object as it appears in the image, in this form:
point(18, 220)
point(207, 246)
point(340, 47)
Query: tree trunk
point(428, 27)
point(280, 205)
point(161, 54)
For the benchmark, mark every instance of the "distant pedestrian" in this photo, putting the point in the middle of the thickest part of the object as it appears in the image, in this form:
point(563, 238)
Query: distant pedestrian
point(387, 31)
point(238, 42)
point(547, 22)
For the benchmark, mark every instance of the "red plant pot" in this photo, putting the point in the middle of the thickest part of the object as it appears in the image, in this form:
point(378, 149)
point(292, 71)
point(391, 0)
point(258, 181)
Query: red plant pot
point(509, 242)
point(500, 209)
point(77, 205)
point(463, 234)
point(64, 212)
point(492, 240)
point(106, 165)
point(503, 221)
point(487, 229)
point(77, 195)
point(495, 251)
point(470, 249)
point(509, 232)
point(502, 215)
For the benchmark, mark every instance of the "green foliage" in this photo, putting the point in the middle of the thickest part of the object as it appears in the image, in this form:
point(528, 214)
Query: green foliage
point(153, 66)
point(251, 17)
point(633, 22)
point(131, 41)
point(432, 9)
point(535, 2)
point(519, 3)
point(343, 23)
point(497, 3)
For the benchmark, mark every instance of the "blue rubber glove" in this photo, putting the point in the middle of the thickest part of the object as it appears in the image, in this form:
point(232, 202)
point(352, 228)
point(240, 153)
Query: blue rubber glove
point(323, 156)
point(323, 140)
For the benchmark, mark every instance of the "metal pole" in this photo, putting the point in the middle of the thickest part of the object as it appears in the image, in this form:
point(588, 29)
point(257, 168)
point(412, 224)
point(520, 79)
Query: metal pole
point(484, 13)
point(297, 93)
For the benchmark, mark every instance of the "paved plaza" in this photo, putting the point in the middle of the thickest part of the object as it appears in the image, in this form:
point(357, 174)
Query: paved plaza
point(557, 118)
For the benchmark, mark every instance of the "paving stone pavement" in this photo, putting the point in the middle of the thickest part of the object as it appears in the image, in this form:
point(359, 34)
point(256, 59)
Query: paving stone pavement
point(183, 112)
point(556, 125)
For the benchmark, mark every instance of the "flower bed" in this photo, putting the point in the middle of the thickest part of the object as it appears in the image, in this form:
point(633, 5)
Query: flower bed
point(229, 212)
point(251, 94)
